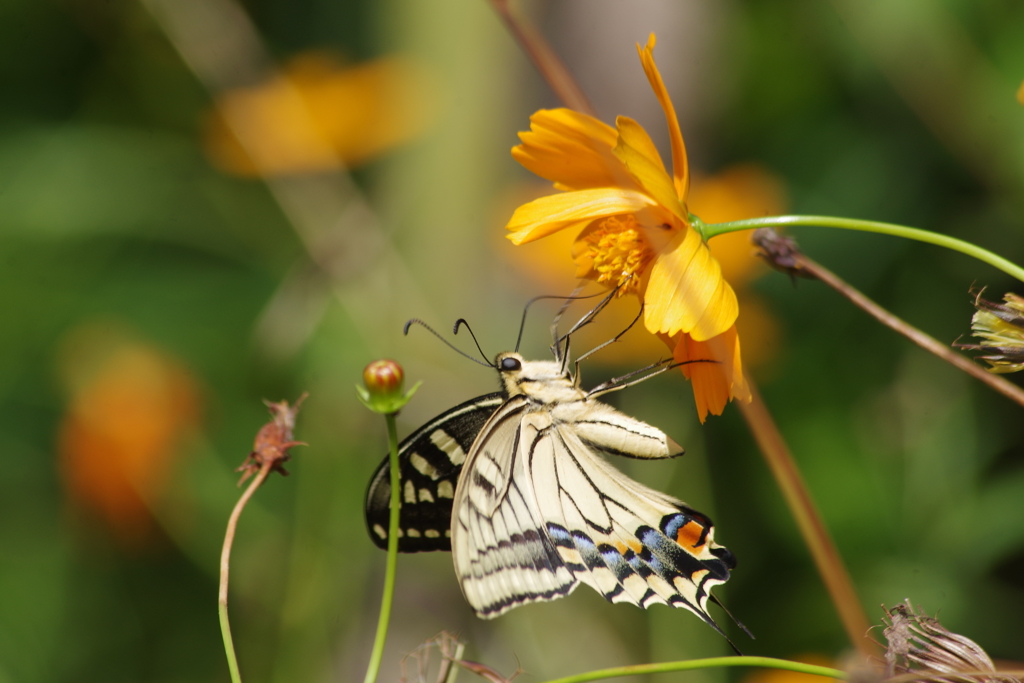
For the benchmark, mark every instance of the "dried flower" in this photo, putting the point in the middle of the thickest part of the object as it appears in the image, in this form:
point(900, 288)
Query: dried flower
point(919, 644)
point(1001, 329)
point(272, 442)
point(780, 252)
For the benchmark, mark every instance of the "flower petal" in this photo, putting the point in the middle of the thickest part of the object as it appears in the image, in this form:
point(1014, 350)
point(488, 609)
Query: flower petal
point(572, 150)
point(637, 152)
point(718, 381)
point(680, 167)
point(547, 215)
point(722, 304)
point(686, 291)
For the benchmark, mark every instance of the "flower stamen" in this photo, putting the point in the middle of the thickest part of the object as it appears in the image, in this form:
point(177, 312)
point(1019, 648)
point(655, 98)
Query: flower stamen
point(617, 252)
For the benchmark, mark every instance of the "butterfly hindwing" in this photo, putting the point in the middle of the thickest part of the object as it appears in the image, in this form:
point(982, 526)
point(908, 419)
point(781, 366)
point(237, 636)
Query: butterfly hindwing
point(429, 462)
point(629, 542)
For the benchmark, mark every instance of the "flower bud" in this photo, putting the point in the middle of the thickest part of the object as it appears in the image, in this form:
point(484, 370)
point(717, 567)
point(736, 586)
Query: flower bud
point(383, 390)
point(383, 377)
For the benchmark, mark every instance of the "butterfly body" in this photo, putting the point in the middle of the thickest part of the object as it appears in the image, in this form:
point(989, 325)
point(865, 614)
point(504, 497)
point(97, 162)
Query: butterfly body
point(537, 509)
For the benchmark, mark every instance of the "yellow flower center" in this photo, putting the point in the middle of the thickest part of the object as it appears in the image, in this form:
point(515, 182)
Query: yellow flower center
point(618, 251)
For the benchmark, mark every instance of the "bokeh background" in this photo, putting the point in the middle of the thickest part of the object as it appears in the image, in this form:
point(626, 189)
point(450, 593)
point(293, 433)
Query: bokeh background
point(155, 288)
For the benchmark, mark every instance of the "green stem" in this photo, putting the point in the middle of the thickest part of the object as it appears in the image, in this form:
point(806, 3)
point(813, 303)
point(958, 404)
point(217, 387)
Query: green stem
point(1008, 267)
point(229, 643)
point(389, 575)
point(710, 662)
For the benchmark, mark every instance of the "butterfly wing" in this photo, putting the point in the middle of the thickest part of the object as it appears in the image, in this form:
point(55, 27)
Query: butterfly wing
point(630, 543)
point(539, 511)
point(429, 463)
point(503, 555)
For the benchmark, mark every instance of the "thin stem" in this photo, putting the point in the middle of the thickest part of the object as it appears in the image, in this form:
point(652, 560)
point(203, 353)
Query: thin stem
point(708, 663)
point(225, 565)
point(812, 527)
point(551, 68)
point(926, 342)
point(1008, 267)
point(389, 575)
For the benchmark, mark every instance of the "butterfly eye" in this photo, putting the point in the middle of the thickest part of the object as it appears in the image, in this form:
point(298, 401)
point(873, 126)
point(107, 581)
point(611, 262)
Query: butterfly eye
point(510, 364)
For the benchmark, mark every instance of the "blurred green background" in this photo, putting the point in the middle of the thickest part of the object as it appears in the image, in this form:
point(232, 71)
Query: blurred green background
point(155, 290)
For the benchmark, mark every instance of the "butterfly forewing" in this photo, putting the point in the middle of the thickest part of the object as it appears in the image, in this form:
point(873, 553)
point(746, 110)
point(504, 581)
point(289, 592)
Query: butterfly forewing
point(503, 555)
point(429, 463)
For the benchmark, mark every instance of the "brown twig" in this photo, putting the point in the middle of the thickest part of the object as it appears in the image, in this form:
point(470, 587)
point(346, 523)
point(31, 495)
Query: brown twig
point(772, 245)
point(812, 528)
point(551, 68)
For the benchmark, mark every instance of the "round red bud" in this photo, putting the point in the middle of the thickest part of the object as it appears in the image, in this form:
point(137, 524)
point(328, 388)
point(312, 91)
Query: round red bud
point(383, 377)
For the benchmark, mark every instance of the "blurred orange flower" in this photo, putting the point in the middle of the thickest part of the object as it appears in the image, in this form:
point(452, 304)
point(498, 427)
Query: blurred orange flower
point(129, 408)
point(318, 115)
point(636, 233)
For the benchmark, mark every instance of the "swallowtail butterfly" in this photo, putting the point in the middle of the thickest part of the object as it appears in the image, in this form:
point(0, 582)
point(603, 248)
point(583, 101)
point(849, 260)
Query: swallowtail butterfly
point(516, 485)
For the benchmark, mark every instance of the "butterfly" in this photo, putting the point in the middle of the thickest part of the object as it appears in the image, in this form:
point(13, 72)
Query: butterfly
point(516, 484)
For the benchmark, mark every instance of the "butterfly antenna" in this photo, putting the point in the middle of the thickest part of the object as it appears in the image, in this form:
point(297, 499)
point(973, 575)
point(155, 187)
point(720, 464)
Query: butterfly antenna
point(615, 338)
point(417, 321)
point(556, 346)
point(462, 321)
point(736, 621)
point(585, 320)
point(526, 308)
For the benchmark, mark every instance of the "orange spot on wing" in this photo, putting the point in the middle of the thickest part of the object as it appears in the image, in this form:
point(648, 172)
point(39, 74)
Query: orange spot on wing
point(689, 536)
point(633, 544)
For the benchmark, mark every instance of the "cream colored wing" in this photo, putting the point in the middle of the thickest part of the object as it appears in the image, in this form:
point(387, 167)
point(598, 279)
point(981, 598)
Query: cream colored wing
point(502, 553)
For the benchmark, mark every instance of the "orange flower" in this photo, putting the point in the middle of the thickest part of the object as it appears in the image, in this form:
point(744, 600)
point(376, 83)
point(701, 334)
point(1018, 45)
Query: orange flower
point(317, 115)
point(636, 233)
point(130, 406)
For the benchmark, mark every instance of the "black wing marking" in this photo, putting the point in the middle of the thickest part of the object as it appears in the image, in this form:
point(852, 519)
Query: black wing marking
point(429, 462)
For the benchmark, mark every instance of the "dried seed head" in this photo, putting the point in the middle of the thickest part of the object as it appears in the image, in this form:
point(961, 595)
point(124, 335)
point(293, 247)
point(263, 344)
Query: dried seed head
point(781, 253)
point(919, 644)
point(273, 440)
point(1000, 328)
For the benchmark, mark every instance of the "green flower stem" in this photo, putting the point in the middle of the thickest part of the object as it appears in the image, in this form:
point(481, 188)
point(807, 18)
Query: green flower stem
point(389, 575)
point(710, 662)
point(1008, 267)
